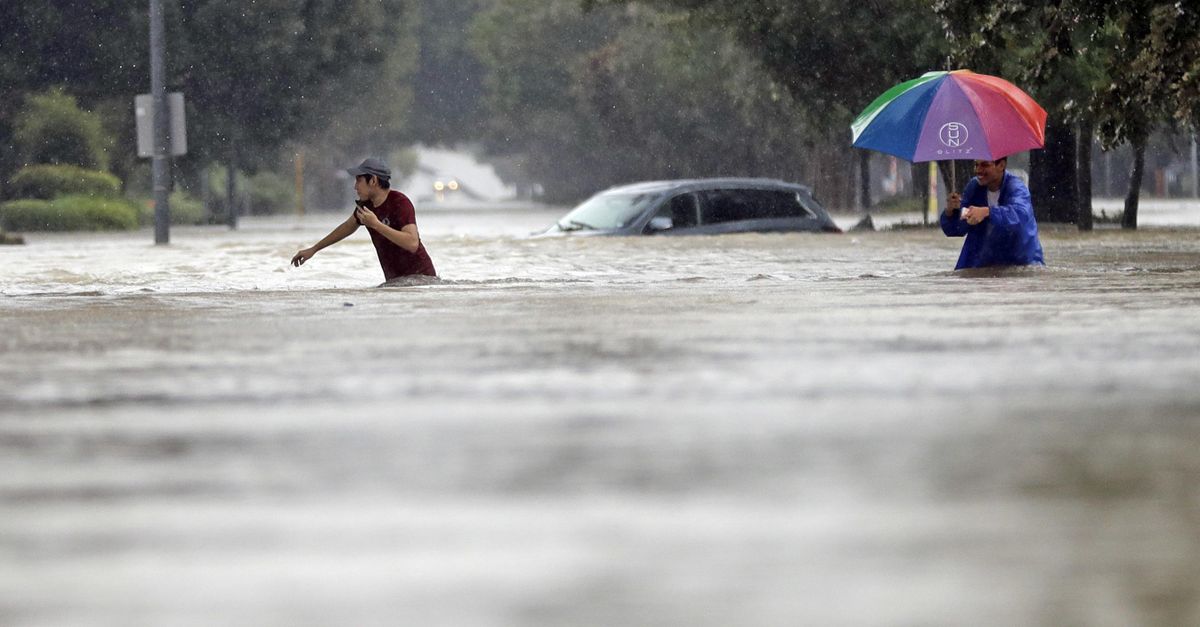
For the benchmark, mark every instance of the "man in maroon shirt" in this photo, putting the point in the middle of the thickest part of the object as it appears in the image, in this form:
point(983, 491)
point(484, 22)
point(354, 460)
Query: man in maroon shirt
point(390, 218)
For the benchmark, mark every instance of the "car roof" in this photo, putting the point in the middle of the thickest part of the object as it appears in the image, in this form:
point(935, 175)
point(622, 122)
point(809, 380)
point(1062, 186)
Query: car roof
point(684, 185)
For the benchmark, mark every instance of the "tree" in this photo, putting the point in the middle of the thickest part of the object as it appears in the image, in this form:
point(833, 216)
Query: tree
point(92, 49)
point(360, 127)
point(265, 79)
point(1001, 38)
point(255, 74)
point(1119, 66)
point(257, 84)
point(53, 129)
point(1155, 78)
point(833, 57)
point(448, 75)
point(528, 49)
point(579, 101)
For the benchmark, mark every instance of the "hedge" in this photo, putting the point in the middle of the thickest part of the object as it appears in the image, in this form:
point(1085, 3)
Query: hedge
point(187, 210)
point(68, 213)
point(50, 181)
point(261, 194)
point(184, 210)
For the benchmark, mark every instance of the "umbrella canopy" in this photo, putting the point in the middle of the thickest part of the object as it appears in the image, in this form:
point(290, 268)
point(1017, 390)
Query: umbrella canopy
point(951, 115)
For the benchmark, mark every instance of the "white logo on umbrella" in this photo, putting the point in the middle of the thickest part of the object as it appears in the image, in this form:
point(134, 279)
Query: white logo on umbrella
point(953, 134)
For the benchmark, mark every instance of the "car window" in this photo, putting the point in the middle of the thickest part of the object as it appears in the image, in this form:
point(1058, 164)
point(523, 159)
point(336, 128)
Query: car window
point(606, 211)
point(679, 212)
point(727, 205)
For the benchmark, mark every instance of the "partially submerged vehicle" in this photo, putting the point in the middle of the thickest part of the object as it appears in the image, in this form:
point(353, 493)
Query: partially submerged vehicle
point(698, 207)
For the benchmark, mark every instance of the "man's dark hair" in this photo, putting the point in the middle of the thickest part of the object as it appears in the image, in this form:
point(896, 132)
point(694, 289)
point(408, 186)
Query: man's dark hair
point(384, 183)
point(1004, 159)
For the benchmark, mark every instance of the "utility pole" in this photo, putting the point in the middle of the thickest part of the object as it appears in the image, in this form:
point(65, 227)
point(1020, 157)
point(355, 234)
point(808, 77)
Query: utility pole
point(158, 93)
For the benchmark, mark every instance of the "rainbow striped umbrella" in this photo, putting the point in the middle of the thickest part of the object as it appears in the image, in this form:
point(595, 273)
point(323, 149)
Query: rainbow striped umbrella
point(951, 115)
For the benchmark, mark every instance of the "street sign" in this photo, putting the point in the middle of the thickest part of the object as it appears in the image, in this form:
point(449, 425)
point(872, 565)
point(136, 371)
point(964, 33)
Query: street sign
point(142, 105)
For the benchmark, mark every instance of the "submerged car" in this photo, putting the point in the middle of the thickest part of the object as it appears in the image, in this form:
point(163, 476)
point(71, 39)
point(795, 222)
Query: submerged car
point(698, 207)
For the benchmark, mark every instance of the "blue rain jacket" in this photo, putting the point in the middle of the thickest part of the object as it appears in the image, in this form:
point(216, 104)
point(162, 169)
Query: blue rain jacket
point(1007, 237)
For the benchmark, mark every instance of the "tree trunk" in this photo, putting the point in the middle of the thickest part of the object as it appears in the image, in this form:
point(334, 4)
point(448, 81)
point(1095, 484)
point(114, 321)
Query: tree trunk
point(919, 173)
point(1129, 220)
point(1084, 192)
point(864, 179)
point(1052, 175)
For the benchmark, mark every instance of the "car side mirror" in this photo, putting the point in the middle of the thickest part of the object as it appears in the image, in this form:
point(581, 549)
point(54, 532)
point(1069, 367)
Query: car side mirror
point(661, 223)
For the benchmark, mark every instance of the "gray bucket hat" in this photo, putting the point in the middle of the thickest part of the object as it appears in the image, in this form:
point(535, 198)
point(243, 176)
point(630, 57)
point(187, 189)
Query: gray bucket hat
point(373, 167)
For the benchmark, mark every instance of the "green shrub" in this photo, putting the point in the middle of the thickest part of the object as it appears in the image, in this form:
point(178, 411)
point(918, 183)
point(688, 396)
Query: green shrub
point(187, 210)
point(53, 129)
point(263, 193)
point(24, 215)
point(270, 193)
point(49, 181)
point(184, 210)
point(68, 213)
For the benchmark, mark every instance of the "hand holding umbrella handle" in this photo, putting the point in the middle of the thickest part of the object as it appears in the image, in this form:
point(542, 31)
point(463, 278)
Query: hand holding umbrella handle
point(975, 215)
point(954, 203)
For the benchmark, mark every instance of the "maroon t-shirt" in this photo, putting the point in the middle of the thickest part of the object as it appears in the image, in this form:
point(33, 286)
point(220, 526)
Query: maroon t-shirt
point(397, 212)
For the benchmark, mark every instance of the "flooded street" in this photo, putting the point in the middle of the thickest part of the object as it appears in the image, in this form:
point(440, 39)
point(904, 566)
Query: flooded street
point(785, 429)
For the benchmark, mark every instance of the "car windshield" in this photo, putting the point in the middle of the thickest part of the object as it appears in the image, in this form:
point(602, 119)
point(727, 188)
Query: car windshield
point(606, 211)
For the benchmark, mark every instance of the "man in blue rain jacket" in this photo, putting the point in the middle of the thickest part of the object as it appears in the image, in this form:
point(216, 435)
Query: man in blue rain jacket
point(996, 215)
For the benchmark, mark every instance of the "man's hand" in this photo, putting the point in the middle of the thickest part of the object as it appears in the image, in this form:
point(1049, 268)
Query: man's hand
point(303, 256)
point(954, 203)
point(367, 218)
point(975, 215)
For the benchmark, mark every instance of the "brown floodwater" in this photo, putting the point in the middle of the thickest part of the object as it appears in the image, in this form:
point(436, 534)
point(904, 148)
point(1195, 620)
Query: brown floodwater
point(788, 429)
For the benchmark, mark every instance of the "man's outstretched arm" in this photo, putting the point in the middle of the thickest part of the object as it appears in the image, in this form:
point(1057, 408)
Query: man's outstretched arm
point(339, 233)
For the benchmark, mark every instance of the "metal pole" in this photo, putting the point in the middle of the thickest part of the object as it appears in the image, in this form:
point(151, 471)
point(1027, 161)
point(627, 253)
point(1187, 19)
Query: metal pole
point(158, 93)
